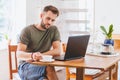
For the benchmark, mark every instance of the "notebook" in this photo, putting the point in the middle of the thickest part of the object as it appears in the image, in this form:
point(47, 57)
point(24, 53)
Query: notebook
point(76, 48)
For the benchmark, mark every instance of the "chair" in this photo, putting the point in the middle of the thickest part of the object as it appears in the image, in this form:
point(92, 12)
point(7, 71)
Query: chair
point(116, 38)
point(92, 74)
point(13, 67)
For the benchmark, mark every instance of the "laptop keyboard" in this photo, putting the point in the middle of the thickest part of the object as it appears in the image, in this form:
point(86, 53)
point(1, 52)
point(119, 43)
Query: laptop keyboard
point(61, 57)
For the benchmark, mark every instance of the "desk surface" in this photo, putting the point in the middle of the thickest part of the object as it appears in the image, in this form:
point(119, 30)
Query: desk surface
point(88, 61)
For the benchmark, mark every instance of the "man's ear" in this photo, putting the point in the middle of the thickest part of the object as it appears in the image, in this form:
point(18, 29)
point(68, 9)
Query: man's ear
point(41, 15)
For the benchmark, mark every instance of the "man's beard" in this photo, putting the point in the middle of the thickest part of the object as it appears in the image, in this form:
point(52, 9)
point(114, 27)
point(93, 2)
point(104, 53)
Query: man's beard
point(43, 25)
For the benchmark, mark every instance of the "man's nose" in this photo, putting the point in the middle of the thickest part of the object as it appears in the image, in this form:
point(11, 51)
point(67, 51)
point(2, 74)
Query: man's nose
point(50, 21)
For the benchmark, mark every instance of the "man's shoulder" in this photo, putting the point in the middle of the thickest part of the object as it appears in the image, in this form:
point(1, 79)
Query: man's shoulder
point(28, 27)
point(53, 27)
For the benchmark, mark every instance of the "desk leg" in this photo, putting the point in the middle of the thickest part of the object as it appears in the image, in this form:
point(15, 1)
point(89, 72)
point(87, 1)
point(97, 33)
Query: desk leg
point(115, 75)
point(110, 74)
point(80, 74)
point(113, 72)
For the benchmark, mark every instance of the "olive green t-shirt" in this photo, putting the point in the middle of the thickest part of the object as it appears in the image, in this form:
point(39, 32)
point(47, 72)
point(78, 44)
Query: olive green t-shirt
point(38, 40)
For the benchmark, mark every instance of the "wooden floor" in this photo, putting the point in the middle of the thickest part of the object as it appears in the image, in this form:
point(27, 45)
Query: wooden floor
point(61, 74)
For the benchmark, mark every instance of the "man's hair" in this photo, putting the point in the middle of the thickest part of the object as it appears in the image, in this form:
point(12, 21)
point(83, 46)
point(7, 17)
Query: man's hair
point(52, 9)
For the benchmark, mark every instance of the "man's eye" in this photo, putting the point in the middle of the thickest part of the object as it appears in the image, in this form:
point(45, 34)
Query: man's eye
point(53, 20)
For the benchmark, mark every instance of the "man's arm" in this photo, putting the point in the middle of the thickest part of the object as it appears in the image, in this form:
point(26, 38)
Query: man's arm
point(37, 55)
point(21, 51)
point(22, 54)
point(56, 49)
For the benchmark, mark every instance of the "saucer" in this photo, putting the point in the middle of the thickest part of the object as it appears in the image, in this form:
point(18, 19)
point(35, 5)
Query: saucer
point(51, 60)
point(103, 55)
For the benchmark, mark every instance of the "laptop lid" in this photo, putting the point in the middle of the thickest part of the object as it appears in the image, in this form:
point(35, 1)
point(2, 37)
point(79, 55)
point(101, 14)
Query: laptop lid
point(76, 47)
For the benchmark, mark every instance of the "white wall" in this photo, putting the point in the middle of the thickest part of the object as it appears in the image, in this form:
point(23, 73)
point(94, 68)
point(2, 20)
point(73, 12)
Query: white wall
point(19, 19)
point(32, 12)
point(107, 12)
point(4, 65)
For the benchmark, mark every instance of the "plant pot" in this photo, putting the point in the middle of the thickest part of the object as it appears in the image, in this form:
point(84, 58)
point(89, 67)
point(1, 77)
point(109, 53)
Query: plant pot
point(109, 41)
point(107, 49)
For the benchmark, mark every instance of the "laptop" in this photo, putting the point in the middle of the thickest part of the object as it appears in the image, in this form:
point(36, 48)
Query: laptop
point(76, 48)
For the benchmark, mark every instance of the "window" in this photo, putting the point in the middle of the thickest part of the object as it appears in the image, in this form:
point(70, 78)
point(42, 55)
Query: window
point(3, 5)
point(5, 11)
point(12, 20)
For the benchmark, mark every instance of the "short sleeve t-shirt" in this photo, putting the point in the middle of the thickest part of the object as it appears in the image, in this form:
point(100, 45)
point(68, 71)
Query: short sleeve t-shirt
point(38, 40)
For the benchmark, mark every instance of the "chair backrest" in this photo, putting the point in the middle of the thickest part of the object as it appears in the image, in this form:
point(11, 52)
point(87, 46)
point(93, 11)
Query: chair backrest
point(12, 55)
point(64, 47)
point(116, 38)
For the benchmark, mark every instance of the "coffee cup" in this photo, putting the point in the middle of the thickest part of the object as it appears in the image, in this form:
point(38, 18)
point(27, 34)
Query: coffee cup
point(47, 57)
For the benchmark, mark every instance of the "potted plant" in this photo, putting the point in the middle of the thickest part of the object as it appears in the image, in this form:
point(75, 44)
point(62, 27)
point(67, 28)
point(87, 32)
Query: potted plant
point(5, 36)
point(108, 34)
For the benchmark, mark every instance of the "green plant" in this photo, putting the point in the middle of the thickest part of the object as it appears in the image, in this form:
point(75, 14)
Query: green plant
point(3, 35)
point(108, 33)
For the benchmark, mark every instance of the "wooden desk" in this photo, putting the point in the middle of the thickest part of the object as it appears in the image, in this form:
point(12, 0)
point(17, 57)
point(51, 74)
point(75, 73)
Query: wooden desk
point(88, 61)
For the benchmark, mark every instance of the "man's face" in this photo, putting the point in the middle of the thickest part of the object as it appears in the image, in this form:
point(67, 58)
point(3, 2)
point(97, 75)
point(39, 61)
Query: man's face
point(48, 19)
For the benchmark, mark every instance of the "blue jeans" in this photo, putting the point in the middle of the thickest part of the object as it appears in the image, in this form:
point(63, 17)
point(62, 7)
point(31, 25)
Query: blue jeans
point(28, 71)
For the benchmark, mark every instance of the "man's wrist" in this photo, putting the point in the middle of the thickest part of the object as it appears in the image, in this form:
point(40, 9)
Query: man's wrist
point(39, 52)
point(32, 55)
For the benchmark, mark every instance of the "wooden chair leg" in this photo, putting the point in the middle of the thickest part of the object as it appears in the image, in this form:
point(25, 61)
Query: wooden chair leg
point(67, 74)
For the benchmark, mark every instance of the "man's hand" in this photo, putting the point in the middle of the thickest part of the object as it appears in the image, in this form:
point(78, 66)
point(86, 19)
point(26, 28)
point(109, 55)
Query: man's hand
point(36, 56)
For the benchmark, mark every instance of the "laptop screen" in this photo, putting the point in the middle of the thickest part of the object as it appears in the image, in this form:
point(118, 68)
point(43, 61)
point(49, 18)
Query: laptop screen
point(76, 46)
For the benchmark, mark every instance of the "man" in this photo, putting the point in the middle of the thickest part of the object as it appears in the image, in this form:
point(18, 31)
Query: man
point(36, 40)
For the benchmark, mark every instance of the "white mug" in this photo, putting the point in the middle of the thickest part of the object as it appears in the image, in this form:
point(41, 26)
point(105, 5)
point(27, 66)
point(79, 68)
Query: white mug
point(47, 57)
